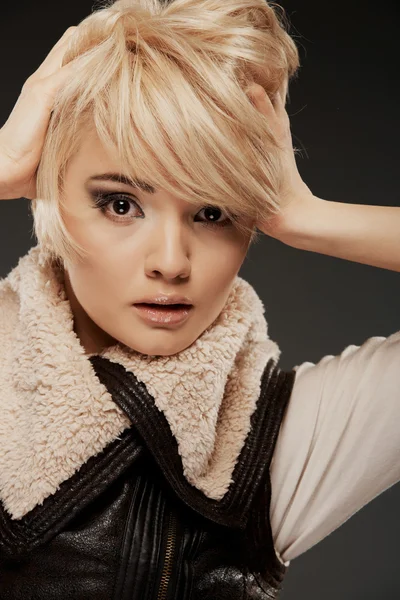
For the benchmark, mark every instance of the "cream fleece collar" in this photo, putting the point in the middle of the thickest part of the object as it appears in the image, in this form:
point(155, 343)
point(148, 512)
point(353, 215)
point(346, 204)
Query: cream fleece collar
point(55, 413)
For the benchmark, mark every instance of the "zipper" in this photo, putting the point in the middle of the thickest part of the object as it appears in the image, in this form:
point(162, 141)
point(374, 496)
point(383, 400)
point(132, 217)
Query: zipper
point(168, 560)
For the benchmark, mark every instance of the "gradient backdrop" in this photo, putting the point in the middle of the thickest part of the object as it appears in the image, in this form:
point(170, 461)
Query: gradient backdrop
point(344, 113)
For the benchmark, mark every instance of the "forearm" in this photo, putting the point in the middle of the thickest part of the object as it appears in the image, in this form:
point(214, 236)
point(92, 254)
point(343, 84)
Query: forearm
point(4, 178)
point(8, 185)
point(360, 233)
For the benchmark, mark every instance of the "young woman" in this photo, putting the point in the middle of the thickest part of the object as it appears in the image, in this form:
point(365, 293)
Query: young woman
point(158, 452)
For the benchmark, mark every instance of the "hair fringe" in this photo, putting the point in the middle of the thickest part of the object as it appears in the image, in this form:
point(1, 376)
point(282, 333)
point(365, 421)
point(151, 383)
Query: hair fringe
point(163, 86)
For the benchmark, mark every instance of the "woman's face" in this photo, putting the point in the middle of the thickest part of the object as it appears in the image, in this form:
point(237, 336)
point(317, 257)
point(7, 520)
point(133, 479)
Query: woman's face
point(141, 245)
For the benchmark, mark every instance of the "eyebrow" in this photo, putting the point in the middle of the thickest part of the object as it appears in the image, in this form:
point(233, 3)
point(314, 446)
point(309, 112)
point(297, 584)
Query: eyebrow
point(119, 178)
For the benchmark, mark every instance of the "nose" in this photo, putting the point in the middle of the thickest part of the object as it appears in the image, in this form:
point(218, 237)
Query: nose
point(168, 252)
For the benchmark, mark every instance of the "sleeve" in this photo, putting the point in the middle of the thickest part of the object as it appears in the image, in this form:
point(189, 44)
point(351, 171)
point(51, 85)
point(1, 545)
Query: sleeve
point(338, 446)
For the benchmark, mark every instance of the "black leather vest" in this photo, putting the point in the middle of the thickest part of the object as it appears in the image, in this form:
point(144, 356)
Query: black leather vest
point(129, 526)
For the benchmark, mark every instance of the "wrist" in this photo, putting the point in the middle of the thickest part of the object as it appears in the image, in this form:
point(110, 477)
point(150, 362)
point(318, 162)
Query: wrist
point(296, 222)
point(300, 220)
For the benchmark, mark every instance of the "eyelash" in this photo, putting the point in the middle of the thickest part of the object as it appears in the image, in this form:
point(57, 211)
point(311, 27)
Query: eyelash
point(103, 200)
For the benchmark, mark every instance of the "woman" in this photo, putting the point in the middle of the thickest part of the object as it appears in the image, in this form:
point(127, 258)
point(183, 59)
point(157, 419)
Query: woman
point(161, 452)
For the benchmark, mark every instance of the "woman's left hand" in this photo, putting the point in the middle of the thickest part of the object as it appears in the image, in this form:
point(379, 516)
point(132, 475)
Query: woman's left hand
point(294, 193)
point(361, 233)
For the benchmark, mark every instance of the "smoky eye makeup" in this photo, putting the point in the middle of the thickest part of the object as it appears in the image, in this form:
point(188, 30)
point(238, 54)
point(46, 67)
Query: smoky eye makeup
point(100, 197)
point(116, 206)
point(103, 197)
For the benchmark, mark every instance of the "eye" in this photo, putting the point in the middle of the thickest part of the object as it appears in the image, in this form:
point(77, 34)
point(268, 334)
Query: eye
point(117, 206)
point(114, 206)
point(213, 213)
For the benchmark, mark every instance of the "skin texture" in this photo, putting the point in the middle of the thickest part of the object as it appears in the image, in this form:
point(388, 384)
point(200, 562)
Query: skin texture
point(161, 245)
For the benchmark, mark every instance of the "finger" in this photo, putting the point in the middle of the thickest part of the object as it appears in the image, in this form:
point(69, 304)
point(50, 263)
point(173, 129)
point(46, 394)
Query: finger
point(53, 82)
point(64, 38)
point(261, 100)
point(280, 102)
point(58, 50)
point(29, 118)
point(282, 94)
point(53, 60)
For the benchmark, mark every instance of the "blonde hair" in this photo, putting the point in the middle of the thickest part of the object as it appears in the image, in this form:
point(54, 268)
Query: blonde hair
point(163, 84)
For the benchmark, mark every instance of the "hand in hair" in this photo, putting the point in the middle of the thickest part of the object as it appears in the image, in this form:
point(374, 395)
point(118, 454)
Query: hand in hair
point(294, 193)
point(23, 134)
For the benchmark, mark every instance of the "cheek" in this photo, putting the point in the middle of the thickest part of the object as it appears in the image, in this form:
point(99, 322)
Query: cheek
point(99, 281)
point(236, 253)
point(88, 227)
point(219, 272)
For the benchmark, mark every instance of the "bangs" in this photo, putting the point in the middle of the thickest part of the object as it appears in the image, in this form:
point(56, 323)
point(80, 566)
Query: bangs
point(163, 88)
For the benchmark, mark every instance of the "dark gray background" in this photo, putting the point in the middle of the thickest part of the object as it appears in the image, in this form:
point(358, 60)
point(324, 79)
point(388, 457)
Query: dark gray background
point(344, 112)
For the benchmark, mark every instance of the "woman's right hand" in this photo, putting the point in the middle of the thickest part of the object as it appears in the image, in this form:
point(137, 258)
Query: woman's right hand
point(23, 134)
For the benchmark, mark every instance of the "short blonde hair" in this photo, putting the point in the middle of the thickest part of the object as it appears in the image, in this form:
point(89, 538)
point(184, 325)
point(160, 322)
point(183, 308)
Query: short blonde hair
point(163, 84)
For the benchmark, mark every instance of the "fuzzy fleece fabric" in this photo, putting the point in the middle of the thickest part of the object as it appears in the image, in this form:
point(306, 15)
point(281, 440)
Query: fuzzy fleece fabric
point(55, 413)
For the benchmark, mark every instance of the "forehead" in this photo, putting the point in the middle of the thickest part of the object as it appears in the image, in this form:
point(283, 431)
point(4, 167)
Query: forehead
point(94, 162)
point(90, 156)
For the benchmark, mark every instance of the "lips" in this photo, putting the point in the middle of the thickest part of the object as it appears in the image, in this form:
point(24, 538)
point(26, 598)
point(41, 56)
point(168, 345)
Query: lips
point(163, 306)
point(166, 314)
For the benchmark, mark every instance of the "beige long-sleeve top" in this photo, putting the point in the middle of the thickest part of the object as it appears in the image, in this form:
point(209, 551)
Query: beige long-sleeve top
point(339, 443)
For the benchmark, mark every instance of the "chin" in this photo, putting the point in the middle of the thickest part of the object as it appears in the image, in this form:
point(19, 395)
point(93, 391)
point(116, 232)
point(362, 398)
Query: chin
point(160, 348)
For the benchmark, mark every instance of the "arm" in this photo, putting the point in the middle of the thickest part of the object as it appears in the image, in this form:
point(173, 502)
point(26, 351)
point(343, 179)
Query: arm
point(6, 191)
point(361, 233)
point(338, 446)
point(23, 135)
point(3, 189)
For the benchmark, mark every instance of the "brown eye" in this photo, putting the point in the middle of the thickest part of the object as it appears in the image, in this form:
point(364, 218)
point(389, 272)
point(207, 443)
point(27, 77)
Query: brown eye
point(114, 205)
point(117, 206)
point(120, 206)
point(213, 213)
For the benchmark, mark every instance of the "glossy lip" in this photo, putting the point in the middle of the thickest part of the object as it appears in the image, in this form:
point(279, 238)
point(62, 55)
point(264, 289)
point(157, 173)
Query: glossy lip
point(162, 298)
point(163, 316)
